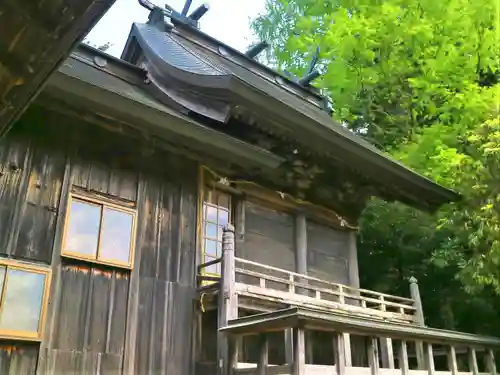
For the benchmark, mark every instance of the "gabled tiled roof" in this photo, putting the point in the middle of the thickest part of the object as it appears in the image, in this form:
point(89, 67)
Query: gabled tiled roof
point(210, 78)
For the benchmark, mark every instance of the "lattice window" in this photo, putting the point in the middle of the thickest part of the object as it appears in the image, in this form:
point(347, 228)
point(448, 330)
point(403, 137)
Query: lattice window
point(216, 214)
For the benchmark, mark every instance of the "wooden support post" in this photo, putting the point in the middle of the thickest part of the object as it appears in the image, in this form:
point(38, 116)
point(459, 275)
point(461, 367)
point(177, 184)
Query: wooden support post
point(419, 319)
point(387, 352)
point(347, 350)
point(429, 359)
point(263, 355)
point(301, 244)
point(403, 358)
point(300, 267)
point(373, 355)
point(233, 344)
point(289, 346)
point(228, 279)
point(473, 368)
point(339, 353)
point(452, 361)
point(228, 302)
point(490, 362)
point(299, 355)
point(415, 295)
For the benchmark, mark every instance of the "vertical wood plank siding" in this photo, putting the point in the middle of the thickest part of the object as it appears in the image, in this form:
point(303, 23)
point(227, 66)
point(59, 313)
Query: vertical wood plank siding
point(90, 306)
point(327, 253)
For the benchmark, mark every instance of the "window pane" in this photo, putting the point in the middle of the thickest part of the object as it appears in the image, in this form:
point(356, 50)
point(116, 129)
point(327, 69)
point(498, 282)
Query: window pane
point(219, 249)
point(83, 230)
point(223, 217)
point(211, 230)
point(23, 301)
point(224, 200)
point(116, 235)
point(211, 214)
point(211, 248)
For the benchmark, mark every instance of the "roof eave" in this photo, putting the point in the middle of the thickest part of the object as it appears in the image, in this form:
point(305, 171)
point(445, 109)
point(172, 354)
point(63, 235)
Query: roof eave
point(351, 146)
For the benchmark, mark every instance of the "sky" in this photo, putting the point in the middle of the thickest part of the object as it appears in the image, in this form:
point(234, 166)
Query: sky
point(227, 20)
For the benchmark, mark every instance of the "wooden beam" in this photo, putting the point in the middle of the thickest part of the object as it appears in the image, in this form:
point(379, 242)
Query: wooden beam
point(490, 362)
point(233, 352)
point(353, 260)
point(299, 363)
point(429, 359)
point(387, 352)
point(51, 32)
point(419, 319)
point(263, 355)
point(373, 355)
point(403, 358)
point(339, 352)
point(452, 361)
point(301, 244)
point(415, 295)
point(300, 230)
point(228, 300)
point(473, 368)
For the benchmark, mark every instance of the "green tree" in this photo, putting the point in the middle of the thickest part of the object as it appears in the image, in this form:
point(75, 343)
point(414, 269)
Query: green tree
point(420, 80)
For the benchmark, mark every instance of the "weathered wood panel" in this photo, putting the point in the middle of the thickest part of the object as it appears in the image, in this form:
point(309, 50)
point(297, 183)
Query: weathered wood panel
point(269, 237)
point(30, 183)
point(13, 162)
point(328, 253)
point(90, 320)
point(34, 37)
point(165, 309)
point(90, 313)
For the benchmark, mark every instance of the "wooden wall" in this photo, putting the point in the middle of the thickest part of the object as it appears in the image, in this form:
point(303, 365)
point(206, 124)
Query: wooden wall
point(269, 238)
point(327, 253)
point(100, 319)
point(108, 320)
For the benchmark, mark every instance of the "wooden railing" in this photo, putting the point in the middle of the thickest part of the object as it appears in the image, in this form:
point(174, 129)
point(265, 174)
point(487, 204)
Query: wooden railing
point(204, 278)
point(320, 306)
point(479, 353)
point(297, 289)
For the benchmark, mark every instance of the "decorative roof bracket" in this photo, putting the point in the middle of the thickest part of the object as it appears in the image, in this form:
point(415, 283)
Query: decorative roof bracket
point(176, 17)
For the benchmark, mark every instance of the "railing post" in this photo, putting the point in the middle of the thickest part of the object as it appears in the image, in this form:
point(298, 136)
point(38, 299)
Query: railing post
point(452, 360)
point(419, 319)
point(429, 359)
point(403, 358)
point(228, 302)
point(229, 273)
point(490, 362)
point(473, 368)
point(415, 295)
point(386, 350)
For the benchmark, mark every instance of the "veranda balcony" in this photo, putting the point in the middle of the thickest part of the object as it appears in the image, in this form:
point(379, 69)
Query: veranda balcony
point(390, 330)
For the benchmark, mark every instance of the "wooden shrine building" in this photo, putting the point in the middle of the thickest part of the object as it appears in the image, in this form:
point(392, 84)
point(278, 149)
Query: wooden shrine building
point(187, 210)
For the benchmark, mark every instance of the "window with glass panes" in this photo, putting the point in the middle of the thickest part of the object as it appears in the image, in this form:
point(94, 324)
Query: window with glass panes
point(216, 214)
point(23, 298)
point(99, 231)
